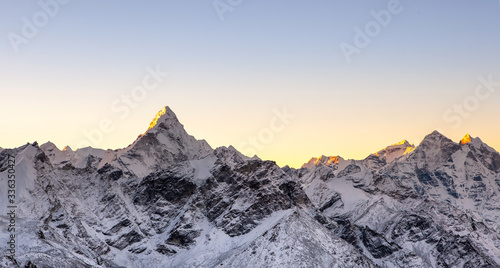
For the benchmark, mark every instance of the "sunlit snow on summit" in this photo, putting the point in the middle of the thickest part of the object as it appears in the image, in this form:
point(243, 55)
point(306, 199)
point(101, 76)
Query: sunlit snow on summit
point(155, 120)
point(466, 139)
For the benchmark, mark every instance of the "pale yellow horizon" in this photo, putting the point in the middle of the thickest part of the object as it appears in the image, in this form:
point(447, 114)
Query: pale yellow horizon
point(291, 144)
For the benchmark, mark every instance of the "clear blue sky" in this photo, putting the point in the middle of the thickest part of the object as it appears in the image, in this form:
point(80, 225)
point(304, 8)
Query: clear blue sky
point(227, 76)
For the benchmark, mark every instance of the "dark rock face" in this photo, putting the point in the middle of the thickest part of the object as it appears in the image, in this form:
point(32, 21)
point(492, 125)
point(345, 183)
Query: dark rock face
point(30, 265)
point(110, 173)
point(262, 185)
point(126, 240)
point(489, 159)
point(374, 161)
point(290, 171)
point(376, 244)
point(416, 227)
point(4, 156)
point(115, 229)
point(350, 169)
point(426, 178)
point(348, 231)
point(162, 249)
point(182, 238)
point(334, 200)
point(455, 250)
point(295, 193)
point(163, 185)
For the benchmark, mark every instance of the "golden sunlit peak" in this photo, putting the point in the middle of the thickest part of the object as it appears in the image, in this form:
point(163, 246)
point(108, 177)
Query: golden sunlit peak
point(466, 139)
point(404, 142)
point(67, 148)
point(155, 120)
point(328, 160)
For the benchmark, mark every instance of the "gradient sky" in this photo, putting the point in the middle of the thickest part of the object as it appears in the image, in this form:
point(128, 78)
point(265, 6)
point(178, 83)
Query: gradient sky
point(227, 77)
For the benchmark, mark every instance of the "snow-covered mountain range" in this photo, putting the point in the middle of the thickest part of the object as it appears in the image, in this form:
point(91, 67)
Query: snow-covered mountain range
point(170, 200)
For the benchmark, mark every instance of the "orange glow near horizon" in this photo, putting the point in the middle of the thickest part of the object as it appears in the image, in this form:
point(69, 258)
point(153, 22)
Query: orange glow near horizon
point(305, 137)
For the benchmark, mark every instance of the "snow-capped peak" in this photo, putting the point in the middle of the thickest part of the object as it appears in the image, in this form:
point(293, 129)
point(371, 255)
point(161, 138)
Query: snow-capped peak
point(166, 116)
point(80, 158)
point(230, 155)
point(403, 142)
point(434, 139)
point(166, 142)
point(394, 151)
point(434, 135)
point(322, 160)
point(466, 139)
point(49, 146)
point(478, 143)
point(434, 150)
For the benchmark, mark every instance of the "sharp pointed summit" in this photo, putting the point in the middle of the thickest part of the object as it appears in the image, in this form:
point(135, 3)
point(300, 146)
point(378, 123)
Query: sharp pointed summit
point(394, 151)
point(165, 142)
point(435, 134)
point(435, 138)
point(49, 146)
point(165, 116)
point(466, 139)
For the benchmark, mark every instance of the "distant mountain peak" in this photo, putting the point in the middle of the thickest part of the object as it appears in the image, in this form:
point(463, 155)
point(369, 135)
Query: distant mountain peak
point(324, 160)
point(328, 160)
point(162, 115)
point(164, 143)
point(466, 139)
point(436, 138)
point(67, 149)
point(435, 133)
point(403, 142)
point(396, 150)
point(48, 145)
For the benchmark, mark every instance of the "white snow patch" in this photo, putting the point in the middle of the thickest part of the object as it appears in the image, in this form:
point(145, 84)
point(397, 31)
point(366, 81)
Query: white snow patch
point(351, 196)
point(202, 168)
